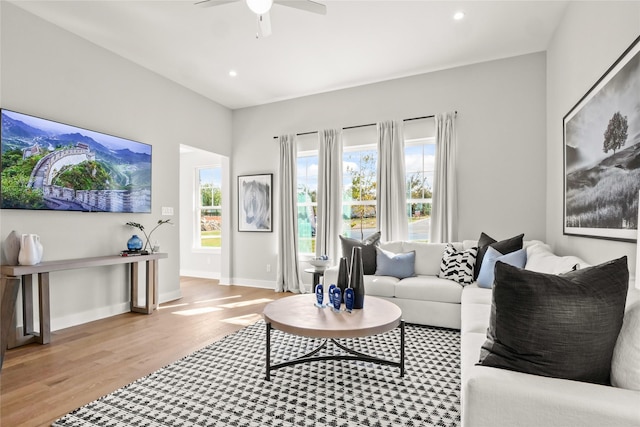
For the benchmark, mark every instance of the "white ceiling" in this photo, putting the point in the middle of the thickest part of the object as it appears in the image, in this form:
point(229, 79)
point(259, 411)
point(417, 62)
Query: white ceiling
point(355, 43)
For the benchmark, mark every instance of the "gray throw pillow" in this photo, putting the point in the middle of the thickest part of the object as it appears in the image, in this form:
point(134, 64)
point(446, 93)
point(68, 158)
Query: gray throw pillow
point(368, 246)
point(562, 326)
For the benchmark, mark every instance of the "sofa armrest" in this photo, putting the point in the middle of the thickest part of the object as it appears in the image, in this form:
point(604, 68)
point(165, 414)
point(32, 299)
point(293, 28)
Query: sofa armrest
point(498, 397)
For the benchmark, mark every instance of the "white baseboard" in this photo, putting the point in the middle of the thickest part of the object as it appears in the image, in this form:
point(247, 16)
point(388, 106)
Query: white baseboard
point(170, 296)
point(79, 318)
point(201, 274)
point(252, 283)
point(74, 319)
point(98, 313)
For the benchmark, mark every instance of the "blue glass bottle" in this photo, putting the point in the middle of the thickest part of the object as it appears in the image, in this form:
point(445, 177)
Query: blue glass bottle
point(337, 299)
point(330, 293)
point(319, 296)
point(349, 299)
point(134, 243)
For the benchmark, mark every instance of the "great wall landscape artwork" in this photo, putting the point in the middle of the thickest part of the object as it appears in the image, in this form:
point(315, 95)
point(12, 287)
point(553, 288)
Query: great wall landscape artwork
point(54, 166)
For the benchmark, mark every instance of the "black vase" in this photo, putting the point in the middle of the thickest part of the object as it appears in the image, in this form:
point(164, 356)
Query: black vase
point(356, 280)
point(343, 275)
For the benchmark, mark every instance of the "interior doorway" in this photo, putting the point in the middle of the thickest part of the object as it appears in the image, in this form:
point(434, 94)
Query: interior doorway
point(204, 214)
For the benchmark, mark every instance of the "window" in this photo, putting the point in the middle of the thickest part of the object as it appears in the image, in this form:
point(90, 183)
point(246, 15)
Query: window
point(210, 207)
point(359, 162)
point(419, 157)
point(359, 191)
point(307, 167)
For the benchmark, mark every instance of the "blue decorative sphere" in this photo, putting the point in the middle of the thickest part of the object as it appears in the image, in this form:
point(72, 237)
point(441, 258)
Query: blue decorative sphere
point(134, 243)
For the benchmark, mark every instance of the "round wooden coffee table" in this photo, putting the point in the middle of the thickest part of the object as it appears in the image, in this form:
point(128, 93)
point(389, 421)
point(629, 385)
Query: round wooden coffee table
point(298, 315)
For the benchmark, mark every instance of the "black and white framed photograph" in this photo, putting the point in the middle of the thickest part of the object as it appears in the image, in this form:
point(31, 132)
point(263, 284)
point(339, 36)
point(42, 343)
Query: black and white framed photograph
point(602, 155)
point(255, 195)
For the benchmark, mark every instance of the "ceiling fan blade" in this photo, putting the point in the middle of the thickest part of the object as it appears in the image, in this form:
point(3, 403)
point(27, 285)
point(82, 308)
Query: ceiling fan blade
point(209, 3)
point(306, 5)
point(264, 25)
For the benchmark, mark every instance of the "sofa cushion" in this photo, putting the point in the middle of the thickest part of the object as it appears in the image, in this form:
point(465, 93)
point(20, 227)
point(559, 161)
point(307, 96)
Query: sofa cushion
point(557, 326)
point(473, 294)
point(380, 286)
point(540, 258)
point(458, 265)
point(517, 259)
point(429, 288)
point(475, 318)
point(476, 308)
point(393, 246)
point(504, 247)
point(625, 367)
point(368, 246)
point(396, 265)
point(428, 256)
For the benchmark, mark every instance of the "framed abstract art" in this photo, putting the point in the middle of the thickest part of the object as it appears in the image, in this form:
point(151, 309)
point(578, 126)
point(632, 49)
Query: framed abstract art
point(255, 195)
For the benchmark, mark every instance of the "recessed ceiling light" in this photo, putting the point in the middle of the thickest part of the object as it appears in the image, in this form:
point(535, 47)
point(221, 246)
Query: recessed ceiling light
point(458, 16)
point(233, 73)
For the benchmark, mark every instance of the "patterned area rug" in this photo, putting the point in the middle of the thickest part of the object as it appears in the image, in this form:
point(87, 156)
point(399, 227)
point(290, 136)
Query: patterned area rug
point(224, 385)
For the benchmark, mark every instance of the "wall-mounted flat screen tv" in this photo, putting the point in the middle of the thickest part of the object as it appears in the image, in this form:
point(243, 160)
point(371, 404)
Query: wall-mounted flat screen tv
point(54, 166)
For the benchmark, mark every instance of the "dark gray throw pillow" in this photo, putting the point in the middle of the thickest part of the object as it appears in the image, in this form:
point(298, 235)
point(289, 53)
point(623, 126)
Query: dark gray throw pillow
point(368, 246)
point(562, 326)
point(504, 247)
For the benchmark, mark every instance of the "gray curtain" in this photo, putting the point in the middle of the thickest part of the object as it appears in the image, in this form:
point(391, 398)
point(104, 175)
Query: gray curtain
point(444, 209)
point(391, 188)
point(288, 276)
point(329, 218)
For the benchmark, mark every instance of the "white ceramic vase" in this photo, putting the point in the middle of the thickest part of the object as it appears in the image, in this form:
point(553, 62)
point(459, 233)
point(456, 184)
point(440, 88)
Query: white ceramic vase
point(30, 250)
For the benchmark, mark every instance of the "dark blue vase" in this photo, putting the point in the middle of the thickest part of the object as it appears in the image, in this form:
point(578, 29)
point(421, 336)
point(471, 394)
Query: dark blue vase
point(134, 243)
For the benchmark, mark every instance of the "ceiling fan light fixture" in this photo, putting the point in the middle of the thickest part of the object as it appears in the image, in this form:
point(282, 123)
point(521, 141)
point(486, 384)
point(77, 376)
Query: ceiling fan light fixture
point(259, 7)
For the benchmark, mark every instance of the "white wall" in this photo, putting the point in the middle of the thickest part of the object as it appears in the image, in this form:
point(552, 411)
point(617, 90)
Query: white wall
point(501, 135)
point(51, 73)
point(195, 261)
point(590, 38)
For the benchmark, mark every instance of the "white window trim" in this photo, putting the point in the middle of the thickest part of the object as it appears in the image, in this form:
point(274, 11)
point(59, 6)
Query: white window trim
point(307, 153)
point(196, 248)
point(431, 140)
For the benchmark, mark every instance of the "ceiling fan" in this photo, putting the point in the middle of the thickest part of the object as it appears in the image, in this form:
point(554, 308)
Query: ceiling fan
point(261, 9)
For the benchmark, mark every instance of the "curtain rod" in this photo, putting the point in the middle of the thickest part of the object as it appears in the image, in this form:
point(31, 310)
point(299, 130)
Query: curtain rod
point(368, 124)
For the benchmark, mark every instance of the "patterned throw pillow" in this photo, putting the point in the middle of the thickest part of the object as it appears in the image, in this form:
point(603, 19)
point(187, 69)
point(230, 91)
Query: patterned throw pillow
point(458, 265)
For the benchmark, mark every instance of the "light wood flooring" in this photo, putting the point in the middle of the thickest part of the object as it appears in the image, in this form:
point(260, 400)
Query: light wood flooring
point(40, 383)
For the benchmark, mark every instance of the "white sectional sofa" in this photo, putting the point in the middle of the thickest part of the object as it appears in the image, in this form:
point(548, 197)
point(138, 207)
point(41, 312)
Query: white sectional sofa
point(424, 299)
point(499, 397)
point(490, 396)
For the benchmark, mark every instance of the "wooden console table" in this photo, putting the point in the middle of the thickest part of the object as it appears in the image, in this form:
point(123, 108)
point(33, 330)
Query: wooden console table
point(11, 275)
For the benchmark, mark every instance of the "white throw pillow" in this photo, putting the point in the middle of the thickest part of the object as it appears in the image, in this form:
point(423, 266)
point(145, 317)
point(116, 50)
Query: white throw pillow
point(625, 369)
point(542, 260)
